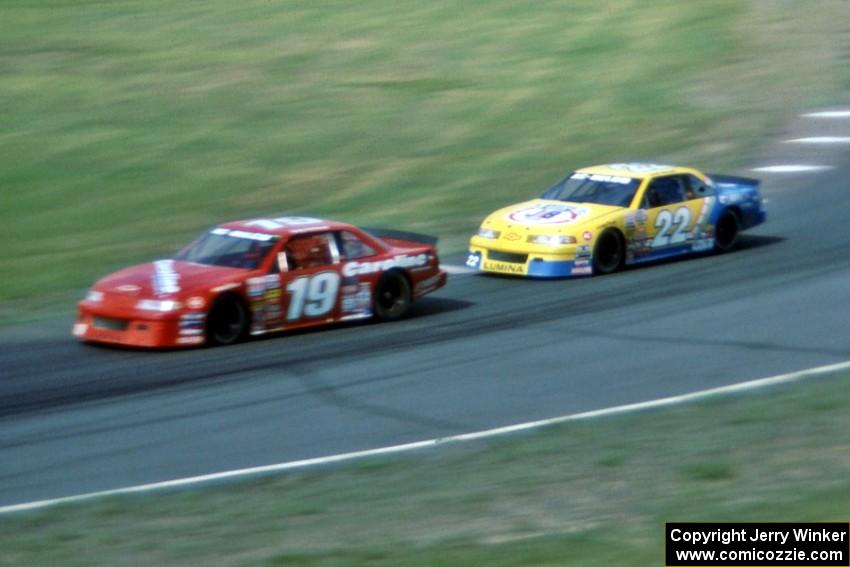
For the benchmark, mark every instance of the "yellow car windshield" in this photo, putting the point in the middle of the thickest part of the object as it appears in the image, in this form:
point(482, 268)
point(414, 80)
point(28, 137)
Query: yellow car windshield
point(594, 188)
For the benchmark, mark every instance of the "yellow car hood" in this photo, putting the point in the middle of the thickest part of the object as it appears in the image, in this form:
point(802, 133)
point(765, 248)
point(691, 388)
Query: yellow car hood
point(544, 216)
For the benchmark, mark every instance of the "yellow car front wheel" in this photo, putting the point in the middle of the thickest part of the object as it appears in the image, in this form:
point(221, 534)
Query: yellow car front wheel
point(608, 253)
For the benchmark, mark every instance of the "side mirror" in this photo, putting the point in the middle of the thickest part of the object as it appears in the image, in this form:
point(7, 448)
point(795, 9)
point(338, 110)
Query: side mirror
point(282, 263)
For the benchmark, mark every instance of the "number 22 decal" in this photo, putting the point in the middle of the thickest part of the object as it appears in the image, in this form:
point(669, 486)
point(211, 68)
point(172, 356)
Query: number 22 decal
point(676, 222)
point(312, 296)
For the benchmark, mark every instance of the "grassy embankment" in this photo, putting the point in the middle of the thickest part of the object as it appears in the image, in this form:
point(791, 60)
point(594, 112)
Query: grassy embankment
point(130, 126)
point(589, 493)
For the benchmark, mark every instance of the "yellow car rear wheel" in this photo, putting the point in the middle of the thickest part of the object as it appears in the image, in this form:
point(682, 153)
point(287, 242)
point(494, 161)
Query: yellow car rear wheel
point(726, 232)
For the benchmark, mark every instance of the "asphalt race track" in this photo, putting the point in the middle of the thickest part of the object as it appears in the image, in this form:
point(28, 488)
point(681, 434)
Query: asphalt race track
point(484, 352)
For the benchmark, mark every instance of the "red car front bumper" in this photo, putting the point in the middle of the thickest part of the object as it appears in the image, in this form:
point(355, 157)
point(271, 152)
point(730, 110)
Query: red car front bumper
point(137, 330)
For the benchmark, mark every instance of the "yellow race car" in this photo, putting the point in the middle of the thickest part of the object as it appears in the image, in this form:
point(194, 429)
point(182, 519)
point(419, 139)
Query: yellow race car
point(599, 218)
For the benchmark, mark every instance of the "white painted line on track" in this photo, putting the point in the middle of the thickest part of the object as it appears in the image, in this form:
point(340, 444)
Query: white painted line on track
point(417, 445)
point(798, 168)
point(821, 140)
point(829, 114)
point(454, 269)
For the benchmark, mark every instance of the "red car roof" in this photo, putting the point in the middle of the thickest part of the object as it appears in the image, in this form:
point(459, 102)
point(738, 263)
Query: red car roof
point(283, 226)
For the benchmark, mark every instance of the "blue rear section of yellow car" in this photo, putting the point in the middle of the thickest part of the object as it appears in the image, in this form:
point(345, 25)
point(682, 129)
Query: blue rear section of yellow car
point(741, 195)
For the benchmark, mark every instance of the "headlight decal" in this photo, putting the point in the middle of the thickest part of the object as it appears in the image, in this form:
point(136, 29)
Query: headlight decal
point(162, 306)
point(550, 239)
point(489, 233)
point(94, 296)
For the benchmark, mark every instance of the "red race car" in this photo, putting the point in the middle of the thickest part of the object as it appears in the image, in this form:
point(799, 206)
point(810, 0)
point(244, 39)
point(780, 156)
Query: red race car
point(259, 276)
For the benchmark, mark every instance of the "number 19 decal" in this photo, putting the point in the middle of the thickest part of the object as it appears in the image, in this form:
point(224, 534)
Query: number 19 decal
point(677, 222)
point(312, 296)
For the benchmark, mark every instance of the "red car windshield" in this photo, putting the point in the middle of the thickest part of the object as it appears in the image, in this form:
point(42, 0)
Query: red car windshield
point(229, 248)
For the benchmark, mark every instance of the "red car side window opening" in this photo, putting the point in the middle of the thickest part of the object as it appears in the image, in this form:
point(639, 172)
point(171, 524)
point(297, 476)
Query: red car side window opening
point(308, 252)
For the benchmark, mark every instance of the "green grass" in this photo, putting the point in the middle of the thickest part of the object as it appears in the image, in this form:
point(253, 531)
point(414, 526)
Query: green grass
point(128, 127)
point(589, 493)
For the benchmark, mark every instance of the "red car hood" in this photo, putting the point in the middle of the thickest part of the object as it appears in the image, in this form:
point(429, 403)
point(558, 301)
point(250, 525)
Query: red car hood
point(167, 278)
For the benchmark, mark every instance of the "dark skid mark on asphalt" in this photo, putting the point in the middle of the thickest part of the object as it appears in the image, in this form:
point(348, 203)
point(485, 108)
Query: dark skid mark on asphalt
point(372, 345)
point(131, 450)
point(300, 372)
point(670, 340)
point(148, 372)
point(334, 396)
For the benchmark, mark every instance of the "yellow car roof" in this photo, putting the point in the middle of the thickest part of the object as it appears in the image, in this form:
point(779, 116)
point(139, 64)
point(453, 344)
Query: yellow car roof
point(635, 170)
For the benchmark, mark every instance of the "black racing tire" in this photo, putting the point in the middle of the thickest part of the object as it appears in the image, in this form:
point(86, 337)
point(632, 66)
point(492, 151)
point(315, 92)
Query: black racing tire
point(608, 252)
point(227, 322)
point(726, 231)
point(392, 297)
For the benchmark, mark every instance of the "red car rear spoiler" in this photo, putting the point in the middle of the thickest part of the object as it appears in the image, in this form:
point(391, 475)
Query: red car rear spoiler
point(401, 235)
